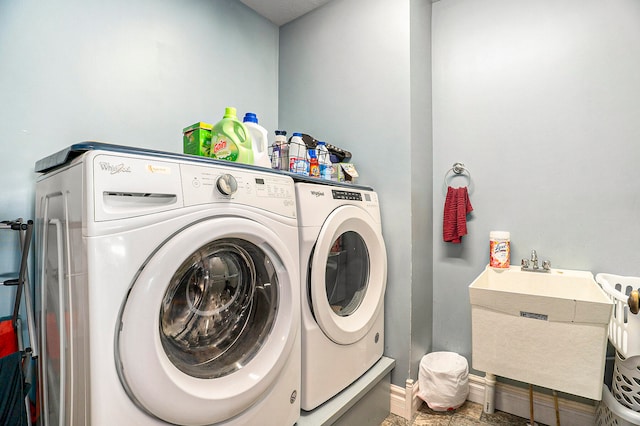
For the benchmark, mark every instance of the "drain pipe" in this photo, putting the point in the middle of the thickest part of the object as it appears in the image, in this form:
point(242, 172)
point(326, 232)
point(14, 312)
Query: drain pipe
point(489, 393)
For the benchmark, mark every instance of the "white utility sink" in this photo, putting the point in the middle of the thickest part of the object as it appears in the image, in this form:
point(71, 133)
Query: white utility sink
point(544, 328)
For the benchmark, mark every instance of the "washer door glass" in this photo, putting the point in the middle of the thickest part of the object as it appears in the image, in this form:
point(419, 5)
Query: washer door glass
point(217, 311)
point(210, 321)
point(347, 275)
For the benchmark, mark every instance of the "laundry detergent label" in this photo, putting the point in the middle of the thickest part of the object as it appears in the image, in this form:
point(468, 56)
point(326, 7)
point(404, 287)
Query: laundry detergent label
point(223, 148)
point(299, 166)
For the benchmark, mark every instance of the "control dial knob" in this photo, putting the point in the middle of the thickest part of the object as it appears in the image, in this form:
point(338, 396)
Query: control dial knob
point(227, 184)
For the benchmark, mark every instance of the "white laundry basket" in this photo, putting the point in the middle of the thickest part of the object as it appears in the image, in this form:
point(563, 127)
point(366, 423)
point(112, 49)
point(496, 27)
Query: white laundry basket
point(443, 380)
point(624, 334)
point(626, 381)
point(624, 327)
point(611, 413)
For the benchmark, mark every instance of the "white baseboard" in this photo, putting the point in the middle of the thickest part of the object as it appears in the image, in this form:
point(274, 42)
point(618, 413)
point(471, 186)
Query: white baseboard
point(510, 399)
point(400, 404)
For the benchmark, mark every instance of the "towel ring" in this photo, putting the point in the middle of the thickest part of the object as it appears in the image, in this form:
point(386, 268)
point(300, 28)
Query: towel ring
point(458, 169)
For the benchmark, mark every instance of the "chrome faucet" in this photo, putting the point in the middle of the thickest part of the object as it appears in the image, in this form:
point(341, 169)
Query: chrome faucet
point(534, 259)
point(532, 265)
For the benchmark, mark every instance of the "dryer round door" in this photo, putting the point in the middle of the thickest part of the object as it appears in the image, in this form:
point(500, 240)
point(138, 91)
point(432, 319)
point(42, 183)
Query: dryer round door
point(348, 275)
point(209, 322)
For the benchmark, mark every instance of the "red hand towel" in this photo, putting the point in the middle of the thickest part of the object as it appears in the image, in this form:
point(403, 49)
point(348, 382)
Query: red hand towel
point(456, 207)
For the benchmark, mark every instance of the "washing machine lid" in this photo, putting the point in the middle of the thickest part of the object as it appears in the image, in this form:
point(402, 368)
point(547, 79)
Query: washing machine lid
point(209, 322)
point(350, 321)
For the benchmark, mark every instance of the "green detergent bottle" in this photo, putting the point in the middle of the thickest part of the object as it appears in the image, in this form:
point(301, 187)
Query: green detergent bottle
point(230, 139)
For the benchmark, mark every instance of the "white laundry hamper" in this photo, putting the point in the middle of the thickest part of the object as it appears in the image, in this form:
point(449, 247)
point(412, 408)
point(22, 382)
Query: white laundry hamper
point(621, 405)
point(443, 380)
point(624, 334)
point(611, 413)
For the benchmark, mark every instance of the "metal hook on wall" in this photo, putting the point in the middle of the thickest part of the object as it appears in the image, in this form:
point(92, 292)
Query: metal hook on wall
point(458, 169)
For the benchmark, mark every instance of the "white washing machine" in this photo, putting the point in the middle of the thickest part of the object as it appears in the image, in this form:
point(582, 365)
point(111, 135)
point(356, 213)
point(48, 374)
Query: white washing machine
point(343, 277)
point(169, 290)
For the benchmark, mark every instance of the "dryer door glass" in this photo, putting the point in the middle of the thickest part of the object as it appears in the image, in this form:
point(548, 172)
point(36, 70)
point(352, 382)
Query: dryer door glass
point(347, 273)
point(219, 308)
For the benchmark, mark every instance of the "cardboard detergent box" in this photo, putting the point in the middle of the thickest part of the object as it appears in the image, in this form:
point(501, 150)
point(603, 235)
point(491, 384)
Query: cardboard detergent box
point(196, 139)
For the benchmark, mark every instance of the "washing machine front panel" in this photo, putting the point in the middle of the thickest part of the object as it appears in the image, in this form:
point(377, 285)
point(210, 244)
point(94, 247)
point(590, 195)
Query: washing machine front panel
point(207, 324)
point(347, 275)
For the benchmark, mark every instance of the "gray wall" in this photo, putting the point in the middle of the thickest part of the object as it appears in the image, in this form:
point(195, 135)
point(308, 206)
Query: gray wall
point(355, 73)
point(538, 99)
point(541, 101)
point(125, 72)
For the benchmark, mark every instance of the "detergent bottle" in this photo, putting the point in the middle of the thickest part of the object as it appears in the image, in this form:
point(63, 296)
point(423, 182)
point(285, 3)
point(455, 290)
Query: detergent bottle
point(259, 141)
point(230, 139)
point(298, 162)
point(314, 167)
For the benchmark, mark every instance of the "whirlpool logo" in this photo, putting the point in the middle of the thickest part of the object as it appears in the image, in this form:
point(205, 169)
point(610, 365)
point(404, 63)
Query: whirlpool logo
point(114, 168)
point(318, 193)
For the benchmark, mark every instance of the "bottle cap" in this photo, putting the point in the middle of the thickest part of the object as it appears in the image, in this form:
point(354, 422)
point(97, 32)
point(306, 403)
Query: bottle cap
point(281, 132)
point(500, 235)
point(230, 112)
point(250, 117)
point(297, 134)
point(322, 143)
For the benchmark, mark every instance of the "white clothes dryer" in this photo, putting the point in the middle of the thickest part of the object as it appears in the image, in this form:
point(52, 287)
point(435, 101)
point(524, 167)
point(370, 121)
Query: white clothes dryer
point(343, 276)
point(168, 290)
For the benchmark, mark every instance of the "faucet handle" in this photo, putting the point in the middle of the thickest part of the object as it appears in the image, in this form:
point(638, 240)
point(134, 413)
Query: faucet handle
point(546, 264)
point(524, 263)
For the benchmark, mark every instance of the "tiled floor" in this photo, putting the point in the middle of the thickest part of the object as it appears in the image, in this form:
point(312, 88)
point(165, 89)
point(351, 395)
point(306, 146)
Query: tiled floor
point(469, 414)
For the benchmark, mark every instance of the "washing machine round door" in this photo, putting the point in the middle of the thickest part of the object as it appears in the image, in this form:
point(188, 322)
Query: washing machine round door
point(348, 275)
point(209, 322)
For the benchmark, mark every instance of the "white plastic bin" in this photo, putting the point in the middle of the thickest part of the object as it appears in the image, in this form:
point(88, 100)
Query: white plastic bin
point(443, 380)
point(626, 381)
point(612, 413)
point(624, 334)
point(624, 327)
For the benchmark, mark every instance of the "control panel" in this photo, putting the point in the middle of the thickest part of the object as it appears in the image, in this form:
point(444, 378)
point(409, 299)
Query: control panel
point(206, 184)
point(346, 195)
point(370, 198)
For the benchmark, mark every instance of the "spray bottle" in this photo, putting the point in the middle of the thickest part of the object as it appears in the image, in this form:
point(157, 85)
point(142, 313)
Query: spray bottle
point(324, 160)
